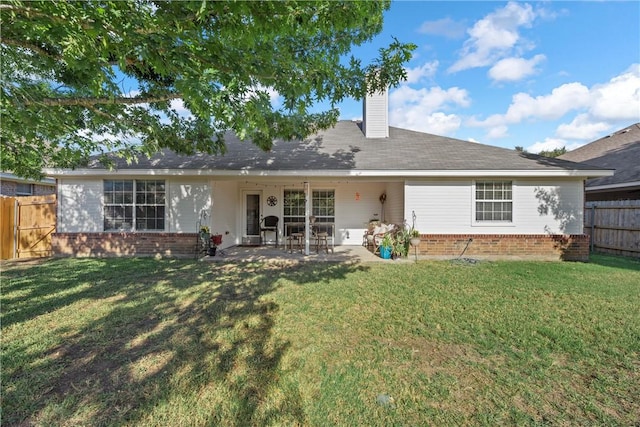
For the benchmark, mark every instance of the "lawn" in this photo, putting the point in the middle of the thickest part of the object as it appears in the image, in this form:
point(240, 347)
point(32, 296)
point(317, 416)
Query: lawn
point(178, 342)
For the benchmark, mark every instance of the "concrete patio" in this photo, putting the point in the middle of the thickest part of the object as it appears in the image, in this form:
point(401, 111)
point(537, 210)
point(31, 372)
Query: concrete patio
point(352, 254)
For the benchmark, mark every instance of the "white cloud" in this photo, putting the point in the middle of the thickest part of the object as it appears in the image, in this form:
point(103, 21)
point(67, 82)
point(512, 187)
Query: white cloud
point(419, 109)
point(414, 75)
point(495, 36)
point(180, 109)
point(589, 111)
point(514, 69)
point(498, 132)
point(582, 128)
point(560, 101)
point(446, 27)
point(551, 144)
point(547, 145)
point(618, 99)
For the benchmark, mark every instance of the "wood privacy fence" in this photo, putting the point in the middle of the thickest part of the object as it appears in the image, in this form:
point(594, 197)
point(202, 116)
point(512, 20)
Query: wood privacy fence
point(26, 225)
point(614, 226)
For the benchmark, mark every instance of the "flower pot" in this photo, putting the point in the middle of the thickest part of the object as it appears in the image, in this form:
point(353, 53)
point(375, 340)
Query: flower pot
point(415, 241)
point(385, 252)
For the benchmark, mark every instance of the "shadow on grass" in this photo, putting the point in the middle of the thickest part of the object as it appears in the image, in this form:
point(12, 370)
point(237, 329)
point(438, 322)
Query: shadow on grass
point(145, 341)
point(615, 261)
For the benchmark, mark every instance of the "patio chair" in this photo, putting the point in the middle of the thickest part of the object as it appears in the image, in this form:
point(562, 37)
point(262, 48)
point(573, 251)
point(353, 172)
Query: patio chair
point(379, 233)
point(269, 223)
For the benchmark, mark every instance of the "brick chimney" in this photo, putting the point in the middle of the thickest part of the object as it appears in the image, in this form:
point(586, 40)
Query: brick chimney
point(375, 115)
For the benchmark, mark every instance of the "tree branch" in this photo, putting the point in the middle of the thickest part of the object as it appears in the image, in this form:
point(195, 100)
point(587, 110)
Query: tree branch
point(90, 102)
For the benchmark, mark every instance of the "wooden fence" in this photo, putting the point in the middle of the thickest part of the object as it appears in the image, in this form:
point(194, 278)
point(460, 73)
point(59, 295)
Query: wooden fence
point(26, 225)
point(614, 226)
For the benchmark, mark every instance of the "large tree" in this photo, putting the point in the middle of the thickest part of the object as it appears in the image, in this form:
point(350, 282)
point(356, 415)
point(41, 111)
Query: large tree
point(68, 69)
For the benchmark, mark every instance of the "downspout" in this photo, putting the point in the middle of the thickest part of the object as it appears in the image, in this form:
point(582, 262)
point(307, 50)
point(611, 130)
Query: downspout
point(307, 214)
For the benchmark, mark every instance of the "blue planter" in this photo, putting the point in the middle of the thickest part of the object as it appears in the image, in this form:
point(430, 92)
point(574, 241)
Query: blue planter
point(385, 252)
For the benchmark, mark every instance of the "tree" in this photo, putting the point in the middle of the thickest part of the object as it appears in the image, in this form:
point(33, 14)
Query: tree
point(67, 66)
point(553, 153)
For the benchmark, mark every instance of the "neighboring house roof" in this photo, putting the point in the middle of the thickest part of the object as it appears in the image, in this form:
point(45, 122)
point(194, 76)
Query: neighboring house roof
point(344, 151)
point(8, 176)
point(619, 151)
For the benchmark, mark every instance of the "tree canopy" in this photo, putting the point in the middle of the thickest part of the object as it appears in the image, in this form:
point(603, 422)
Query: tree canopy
point(87, 77)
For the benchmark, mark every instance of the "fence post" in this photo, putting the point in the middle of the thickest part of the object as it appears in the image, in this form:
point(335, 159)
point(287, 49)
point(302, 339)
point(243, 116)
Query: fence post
point(593, 226)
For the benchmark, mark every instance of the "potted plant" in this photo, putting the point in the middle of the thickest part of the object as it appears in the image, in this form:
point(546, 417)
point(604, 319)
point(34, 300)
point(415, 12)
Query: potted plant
point(386, 246)
point(414, 237)
point(401, 243)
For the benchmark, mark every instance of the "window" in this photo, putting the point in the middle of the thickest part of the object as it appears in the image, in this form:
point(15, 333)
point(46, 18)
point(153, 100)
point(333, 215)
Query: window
point(23, 189)
point(323, 205)
point(134, 205)
point(494, 201)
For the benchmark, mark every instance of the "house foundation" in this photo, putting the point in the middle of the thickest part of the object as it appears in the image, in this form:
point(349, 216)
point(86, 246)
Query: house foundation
point(178, 245)
point(496, 246)
point(570, 247)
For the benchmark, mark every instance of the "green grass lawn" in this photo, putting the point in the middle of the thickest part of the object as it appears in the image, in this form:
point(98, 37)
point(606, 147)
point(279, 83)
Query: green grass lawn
point(176, 342)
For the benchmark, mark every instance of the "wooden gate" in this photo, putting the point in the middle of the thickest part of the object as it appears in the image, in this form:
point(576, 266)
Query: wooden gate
point(26, 225)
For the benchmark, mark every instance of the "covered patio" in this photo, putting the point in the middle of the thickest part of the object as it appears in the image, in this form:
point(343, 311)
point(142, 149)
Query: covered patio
point(350, 254)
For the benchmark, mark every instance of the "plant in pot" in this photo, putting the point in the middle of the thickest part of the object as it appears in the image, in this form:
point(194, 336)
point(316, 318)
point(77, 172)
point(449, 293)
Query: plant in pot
point(401, 244)
point(414, 237)
point(386, 246)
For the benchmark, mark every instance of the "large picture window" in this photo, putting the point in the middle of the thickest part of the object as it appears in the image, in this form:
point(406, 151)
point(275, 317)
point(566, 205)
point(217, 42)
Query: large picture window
point(323, 205)
point(494, 201)
point(134, 205)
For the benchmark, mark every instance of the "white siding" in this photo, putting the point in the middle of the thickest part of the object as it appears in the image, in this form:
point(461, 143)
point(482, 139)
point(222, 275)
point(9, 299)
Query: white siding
point(226, 212)
point(79, 205)
point(539, 207)
point(186, 199)
point(394, 206)
point(356, 204)
point(375, 115)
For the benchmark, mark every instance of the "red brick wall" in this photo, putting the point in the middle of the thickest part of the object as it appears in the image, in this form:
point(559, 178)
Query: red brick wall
point(124, 244)
point(573, 247)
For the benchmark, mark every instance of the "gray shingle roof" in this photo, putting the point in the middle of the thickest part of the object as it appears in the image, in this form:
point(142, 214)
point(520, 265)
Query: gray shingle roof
point(344, 148)
point(619, 151)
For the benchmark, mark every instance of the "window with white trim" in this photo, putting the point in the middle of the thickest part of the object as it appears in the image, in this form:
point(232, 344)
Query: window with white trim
point(494, 201)
point(323, 206)
point(134, 205)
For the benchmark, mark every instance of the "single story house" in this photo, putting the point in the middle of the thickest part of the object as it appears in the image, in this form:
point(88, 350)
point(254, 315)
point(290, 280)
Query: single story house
point(13, 185)
point(619, 151)
point(461, 196)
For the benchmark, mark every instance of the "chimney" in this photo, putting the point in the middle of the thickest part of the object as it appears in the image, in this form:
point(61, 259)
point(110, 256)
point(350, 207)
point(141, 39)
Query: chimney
point(375, 115)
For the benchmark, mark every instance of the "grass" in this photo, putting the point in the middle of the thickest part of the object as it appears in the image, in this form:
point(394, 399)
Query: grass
point(176, 342)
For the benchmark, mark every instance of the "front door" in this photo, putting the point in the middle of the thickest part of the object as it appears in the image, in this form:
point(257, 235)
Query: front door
point(251, 223)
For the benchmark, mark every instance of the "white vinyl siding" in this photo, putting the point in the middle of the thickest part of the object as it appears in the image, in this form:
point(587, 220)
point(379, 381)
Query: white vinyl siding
point(79, 205)
point(539, 207)
point(187, 199)
point(375, 115)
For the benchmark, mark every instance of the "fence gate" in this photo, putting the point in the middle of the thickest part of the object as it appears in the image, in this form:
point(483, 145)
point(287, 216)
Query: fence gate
point(27, 224)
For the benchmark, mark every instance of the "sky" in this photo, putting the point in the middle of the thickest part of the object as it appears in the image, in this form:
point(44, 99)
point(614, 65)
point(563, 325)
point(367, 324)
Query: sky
point(540, 75)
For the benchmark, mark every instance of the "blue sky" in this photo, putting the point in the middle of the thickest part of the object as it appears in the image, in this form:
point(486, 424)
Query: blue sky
point(541, 75)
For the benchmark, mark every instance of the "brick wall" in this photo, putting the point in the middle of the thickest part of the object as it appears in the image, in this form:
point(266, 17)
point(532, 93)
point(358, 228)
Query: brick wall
point(8, 188)
point(124, 244)
point(523, 246)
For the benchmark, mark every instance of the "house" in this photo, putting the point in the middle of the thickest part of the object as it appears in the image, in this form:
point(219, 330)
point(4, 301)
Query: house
point(13, 185)
point(461, 196)
point(619, 151)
